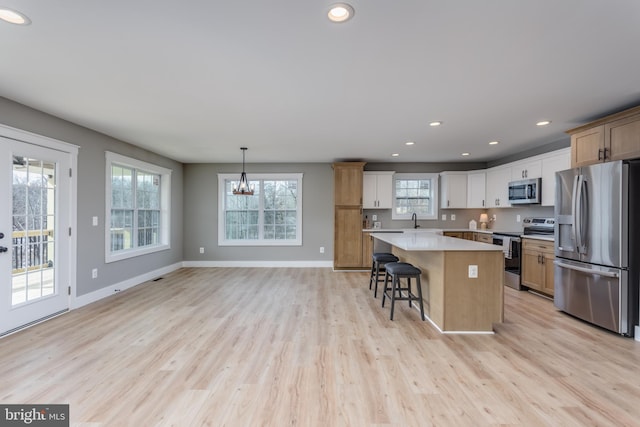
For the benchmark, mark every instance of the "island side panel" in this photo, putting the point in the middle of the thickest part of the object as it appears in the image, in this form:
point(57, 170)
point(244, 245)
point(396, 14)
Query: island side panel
point(432, 280)
point(473, 304)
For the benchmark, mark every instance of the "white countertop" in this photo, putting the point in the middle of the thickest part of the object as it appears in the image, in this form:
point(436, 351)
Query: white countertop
point(420, 229)
point(421, 241)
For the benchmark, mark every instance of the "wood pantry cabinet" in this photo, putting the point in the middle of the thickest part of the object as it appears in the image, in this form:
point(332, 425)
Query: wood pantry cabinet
point(615, 137)
point(347, 226)
point(537, 265)
point(377, 190)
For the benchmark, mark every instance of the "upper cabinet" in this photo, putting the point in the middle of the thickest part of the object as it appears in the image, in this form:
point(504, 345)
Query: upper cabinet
point(526, 170)
point(587, 147)
point(498, 179)
point(347, 183)
point(476, 189)
point(556, 161)
point(615, 137)
point(377, 190)
point(453, 193)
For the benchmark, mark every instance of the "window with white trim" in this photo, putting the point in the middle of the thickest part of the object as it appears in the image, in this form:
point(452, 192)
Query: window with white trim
point(137, 207)
point(272, 216)
point(415, 193)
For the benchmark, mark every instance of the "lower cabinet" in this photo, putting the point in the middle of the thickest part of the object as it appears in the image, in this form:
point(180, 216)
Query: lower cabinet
point(367, 250)
point(347, 251)
point(484, 237)
point(467, 235)
point(537, 265)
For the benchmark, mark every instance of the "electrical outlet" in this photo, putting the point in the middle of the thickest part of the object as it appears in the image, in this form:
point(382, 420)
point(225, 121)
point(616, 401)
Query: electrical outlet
point(201, 250)
point(94, 273)
point(94, 221)
point(444, 217)
point(493, 218)
point(517, 218)
point(453, 217)
point(321, 249)
point(473, 272)
point(374, 217)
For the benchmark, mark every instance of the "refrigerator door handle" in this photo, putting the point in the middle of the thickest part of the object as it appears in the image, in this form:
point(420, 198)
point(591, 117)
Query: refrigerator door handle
point(574, 213)
point(586, 270)
point(583, 213)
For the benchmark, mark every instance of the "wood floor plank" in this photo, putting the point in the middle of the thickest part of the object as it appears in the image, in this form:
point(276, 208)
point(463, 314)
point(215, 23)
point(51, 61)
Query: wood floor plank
point(312, 347)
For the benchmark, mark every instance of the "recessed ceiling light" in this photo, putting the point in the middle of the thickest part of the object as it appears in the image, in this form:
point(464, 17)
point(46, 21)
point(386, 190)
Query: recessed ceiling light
point(543, 122)
point(494, 142)
point(395, 155)
point(409, 143)
point(435, 123)
point(465, 154)
point(340, 12)
point(14, 17)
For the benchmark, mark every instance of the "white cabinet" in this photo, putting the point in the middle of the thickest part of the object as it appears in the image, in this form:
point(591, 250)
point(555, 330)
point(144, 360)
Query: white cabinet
point(526, 170)
point(476, 189)
point(453, 193)
point(498, 179)
point(377, 190)
point(556, 161)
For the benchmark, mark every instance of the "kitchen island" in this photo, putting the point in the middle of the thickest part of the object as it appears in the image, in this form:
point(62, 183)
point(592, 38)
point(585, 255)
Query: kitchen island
point(454, 301)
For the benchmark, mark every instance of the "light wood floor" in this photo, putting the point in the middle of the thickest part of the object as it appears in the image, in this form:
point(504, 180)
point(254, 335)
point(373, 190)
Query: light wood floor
point(311, 347)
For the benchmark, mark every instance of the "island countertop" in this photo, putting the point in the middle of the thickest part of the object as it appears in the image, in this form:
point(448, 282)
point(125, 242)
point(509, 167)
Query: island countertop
point(457, 298)
point(425, 241)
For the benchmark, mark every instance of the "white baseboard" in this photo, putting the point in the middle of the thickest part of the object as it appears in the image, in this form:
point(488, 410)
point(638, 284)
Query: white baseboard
point(291, 264)
point(129, 283)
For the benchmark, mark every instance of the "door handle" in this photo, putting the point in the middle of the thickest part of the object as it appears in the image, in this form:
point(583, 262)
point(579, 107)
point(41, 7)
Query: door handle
point(3, 249)
point(587, 270)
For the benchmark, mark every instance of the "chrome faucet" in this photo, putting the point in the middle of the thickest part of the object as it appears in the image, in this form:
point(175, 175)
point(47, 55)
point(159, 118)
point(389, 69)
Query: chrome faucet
point(414, 217)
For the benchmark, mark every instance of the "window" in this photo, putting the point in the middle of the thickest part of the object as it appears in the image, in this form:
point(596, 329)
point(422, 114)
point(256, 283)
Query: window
point(272, 216)
point(415, 193)
point(138, 201)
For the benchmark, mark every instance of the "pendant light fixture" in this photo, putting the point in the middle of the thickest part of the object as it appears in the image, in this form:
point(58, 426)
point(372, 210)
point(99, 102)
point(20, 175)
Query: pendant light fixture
point(243, 188)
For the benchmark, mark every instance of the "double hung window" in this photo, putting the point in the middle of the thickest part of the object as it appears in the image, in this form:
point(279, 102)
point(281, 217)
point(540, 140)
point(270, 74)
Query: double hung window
point(415, 193)
point(137, 217)
point(272, 216)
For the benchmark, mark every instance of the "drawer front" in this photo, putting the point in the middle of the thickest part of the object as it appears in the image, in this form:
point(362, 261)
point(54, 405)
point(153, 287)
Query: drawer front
point(537, 245)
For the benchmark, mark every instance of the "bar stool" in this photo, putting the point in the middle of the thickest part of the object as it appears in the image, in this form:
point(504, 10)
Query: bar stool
point(397, 271)
point(379, 260)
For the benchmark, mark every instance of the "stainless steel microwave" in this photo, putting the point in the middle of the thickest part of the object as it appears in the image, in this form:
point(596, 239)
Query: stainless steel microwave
point(525, 192)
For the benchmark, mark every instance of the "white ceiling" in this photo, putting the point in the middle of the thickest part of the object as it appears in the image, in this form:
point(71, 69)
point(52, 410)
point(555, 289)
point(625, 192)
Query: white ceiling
point(196, 80)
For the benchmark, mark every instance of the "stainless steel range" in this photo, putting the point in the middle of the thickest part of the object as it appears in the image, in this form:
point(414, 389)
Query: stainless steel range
point(512, 246)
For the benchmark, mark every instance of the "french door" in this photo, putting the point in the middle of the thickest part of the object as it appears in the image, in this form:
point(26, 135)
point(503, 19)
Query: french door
point(34, 233)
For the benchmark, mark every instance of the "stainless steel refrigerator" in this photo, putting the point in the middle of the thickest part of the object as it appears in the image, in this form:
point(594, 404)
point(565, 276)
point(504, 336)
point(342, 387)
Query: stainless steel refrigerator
point(597, 242)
